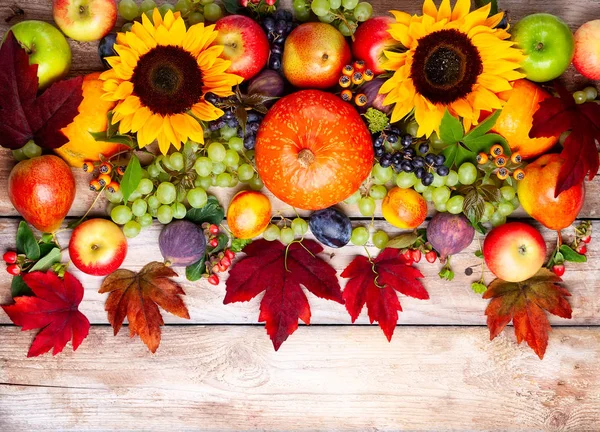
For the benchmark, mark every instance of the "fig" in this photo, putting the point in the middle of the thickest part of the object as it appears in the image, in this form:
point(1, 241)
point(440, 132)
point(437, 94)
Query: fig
point(182, 243)
point(449, 234)
point(374, 98)
point(331, 227)
point(267, 83)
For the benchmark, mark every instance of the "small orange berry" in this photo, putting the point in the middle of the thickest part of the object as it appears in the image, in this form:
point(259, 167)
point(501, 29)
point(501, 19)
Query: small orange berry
point(368, 74)
point(359, 65)
point(519, 174)
point(346, 95)
point(113, 187)
point(121, 170)
point(357, 78)
point(500, 161)
point(344, 81)
point(482, 158)
point(496, 150)
point(105, 168)
point(348, 70)
point(516, 158)
point(88, 166)
point(104, 179)
point(360, 100)
point(502, 173)
point(95, 185)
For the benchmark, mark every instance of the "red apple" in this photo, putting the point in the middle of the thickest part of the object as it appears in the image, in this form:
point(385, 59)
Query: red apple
point(587, 50)
point(42, 189)
point(314, 56)
point(246, 45)
point(514, 251)
point(85, 20)
point(98, 247)
point(370, 39)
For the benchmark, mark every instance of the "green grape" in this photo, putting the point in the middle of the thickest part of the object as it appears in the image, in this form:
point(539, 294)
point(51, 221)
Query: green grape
point(228, 132)
point(363, 11)
point(271, 233)
point(139, 207)
point(455, 204)
point(302, 15)
point(515, 203)
point(245, 172)
point(153, 171)
point(250, 154)
point(145, 186)
point(166, 7)
point(121, 214)
point(493, 181)
point(329, 18)
point(353, 199)
point(176, 161)
point(205, 2)
point(179, 210)
point(428, 194)
point(127, 27)
point(232, 158)
point(438, 180)
point(212, 12)
point(113, 197)
point(590, 93)
point(406, 180)
point(382, 175)
point(218, 168)
point(145, 174)
point(216, 151)
point(335, 4)
point(256, 183)
point(420, 187)
point(203, 166)
point(164, 214)
point(467, 173)
point(508, 192)
point(109, 207)
point(580, 97)
point(165, 163)
point(451, 178)
point(197, 197)
point(440, 195)
point(31, 150)
point(195, 18)
point(234, 181)
point(128, 9)
point(380, 239)
point(203, 182)
point(153, 202)
point(412, 128)
point(300, 5)
point(345, 29)
point(224, 179)
point(134, 195)
point(236, 143)
point(378, 192)
point(436, 142)
point(441, 207)
point(166, 193)
point(488, 211)
point(505, 208)
point(349, 4)
point(132, 229)
point(144, 220)
point(286, 235)
point(320, 7)
point(360, 236)
point(183, 6)
point(497, 219)
point(19, 155)
point(299, 226)
point(366, 206)
point(147, 6)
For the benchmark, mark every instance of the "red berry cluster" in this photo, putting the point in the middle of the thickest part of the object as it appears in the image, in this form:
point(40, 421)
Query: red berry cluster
point(353, 76)
point(503, 165)
point(12, 267)
point(106, 175)
point(220, 262)
point(583, 236)
point(245, 3)
point(415, 255)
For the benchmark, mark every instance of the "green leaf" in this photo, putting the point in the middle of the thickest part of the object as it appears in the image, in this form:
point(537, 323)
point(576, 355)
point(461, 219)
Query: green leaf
point(232, 6)
point(75, 223)
point(195, 271)
point(242, 116)
point(485, 126)
point(118, 139)
point(402, 241)
point(493, 10)
point(237, 245)
point(47, 261)
point(46, 248)
point(212, 213)
point(131, 178)
point(19, 288)
point(478, 287)
point(571, 255)
point(223, 242)
point(26, 242)
point(450, 155)
point(485, 142)
point(464, 155)
point(189, 156)
point(478, 254)
point(112, 128)
point(451, 129)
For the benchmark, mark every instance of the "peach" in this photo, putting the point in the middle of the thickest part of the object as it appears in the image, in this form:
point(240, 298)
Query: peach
point(404, 208)
point(587, 50)
point(249, 214)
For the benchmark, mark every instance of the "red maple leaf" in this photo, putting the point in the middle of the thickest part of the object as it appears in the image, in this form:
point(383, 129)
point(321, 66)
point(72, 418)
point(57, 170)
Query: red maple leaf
point(560, 114)
point(524, 303)
point(375, 282)
point(267, 267)
point(54, 310)
point(26, 116)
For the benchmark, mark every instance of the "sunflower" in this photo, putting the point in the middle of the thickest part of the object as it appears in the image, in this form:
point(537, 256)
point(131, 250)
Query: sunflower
point(159, 79)
point(454, 59)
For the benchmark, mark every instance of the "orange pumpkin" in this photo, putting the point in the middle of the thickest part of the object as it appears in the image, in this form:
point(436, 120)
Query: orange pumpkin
point(313, 150)
point(91, 118)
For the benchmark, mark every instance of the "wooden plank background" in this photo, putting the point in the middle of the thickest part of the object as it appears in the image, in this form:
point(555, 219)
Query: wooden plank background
point(218, 371)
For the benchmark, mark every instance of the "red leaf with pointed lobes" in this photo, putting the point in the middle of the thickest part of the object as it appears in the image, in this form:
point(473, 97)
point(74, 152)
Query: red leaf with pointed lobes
point(26, 116)
point(284, 302)
point(560, 114)
point(524, 303)
point(375, 284)
point(54, 310)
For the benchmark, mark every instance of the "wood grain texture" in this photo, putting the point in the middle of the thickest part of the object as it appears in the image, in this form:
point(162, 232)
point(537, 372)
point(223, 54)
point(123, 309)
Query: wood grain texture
point(450, 303)
point(322, 379)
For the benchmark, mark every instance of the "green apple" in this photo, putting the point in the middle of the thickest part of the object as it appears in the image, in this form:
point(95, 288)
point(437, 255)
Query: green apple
point(47, 47)
point(548, 43)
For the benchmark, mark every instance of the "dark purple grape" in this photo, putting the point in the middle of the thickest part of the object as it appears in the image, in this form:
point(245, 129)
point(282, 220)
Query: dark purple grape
point(249, 142)
point(442, 170)
point(409, 153)
point(379, 141)
point(277, 50)
point(385, 160)
point(253, 127)
point(407, 167)
point(106, 48)
point(440, 159)
point(275, 62)
point(379, 151)
point(228, 115)
point(392, 138)
point(395, 131)
point(269, 24)
point(397, 158)
point(424, 148)
point(406, 140)
point(232, 122)
point(252, 117)
point(418, 162)
point(211, 98)
point(420, 172)
point(427, 179)
point(281, 27)
point(430, 159)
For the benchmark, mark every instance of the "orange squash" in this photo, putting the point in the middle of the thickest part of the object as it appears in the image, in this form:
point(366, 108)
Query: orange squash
point(91, 118)
point(313, 150)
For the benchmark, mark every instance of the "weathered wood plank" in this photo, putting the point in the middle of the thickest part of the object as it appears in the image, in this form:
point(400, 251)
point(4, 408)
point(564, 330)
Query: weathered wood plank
point(450, 303)
point(323, 378)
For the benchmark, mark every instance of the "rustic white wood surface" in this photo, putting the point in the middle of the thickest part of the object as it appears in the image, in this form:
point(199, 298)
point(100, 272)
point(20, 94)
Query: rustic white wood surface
point(220, 373)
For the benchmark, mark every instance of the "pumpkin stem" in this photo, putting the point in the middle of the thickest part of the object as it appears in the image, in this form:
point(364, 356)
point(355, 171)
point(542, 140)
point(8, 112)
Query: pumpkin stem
point(306, 157)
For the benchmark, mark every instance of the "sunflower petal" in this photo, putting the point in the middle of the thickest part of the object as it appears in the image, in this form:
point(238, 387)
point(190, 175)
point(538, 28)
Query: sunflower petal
point(461, 9)
point(429, 8)
point(140, 117)
point(149, 131)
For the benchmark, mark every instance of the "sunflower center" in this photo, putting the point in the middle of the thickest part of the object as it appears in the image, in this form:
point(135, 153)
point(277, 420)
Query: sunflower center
point(445, 66)
point(167, 80)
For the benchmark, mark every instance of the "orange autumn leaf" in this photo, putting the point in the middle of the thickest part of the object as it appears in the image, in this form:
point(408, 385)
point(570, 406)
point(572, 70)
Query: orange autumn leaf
point(524, 303)
point(137, 297)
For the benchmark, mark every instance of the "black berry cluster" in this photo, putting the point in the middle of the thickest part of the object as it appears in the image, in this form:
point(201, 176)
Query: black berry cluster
point(277, 26)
